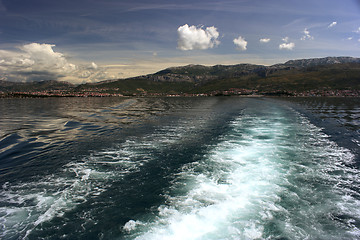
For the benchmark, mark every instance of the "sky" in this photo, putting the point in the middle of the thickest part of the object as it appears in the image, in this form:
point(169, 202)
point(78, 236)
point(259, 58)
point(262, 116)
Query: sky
point(91, 40)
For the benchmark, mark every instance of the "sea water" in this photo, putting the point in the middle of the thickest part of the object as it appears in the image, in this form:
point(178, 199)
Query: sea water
point(179, 168)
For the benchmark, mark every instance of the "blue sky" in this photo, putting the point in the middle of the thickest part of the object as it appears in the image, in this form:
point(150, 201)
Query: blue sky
point(88, 40)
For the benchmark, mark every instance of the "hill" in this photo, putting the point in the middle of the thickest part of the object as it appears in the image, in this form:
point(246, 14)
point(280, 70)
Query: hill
point(6, 86)
point(331, 73)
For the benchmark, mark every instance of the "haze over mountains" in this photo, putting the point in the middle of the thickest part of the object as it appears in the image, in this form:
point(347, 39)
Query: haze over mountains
point(295, 75)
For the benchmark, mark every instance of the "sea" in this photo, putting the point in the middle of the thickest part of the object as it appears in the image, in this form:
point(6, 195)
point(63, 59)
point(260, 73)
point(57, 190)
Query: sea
point(180, 168)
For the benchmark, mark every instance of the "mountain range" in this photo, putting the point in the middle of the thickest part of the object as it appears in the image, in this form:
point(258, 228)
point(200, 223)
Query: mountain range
point(336, 73)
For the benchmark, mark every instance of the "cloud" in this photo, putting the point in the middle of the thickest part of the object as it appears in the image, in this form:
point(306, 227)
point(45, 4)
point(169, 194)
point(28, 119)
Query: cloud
point(357, 30)
point(265, 40)
point(307, 35)
point(349, 38)
point(93, 66)
point(191, 38)
point(93, 73)
point(43, 57)
point(240, 43)
point(36, 62)
point(287, 45)
point(332, 24)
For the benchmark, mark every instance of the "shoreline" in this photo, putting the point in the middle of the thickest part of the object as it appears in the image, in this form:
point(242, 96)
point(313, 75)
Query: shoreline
point(159, 95)
point(174, 96)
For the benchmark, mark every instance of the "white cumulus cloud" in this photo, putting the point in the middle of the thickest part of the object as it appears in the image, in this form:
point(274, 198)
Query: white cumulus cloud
point(192, 37)
point(265, 40)
point(240, 43)
point(287, 45)
point(93, 66)
point(332, 24)
point(44, 58)
point(306, 35)
point(36, 62)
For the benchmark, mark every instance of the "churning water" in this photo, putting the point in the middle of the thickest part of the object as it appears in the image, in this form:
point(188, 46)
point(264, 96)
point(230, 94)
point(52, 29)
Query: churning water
point(179, 168)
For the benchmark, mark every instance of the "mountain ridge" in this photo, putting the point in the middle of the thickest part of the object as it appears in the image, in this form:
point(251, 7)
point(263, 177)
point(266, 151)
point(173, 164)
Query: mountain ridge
point(201, 73)
point(293, 75)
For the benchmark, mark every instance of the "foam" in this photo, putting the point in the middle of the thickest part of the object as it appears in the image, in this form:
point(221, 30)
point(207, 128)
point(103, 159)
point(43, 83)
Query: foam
point(30, 204)
point(131, 225)
point(246, 182)
point(276, 172)
point(210, 203)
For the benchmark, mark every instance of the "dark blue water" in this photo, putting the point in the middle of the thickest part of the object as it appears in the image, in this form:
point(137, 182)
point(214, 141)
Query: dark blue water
point(179, 168)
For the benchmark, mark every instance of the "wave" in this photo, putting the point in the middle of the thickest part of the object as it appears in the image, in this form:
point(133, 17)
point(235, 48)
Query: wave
point(272, 177)
point(258, 171)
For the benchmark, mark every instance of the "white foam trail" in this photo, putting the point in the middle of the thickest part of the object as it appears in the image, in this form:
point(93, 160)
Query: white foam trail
point(261, 175)
point(217, 200)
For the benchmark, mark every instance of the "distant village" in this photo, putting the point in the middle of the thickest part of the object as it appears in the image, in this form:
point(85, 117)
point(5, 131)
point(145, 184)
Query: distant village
point(106, 92)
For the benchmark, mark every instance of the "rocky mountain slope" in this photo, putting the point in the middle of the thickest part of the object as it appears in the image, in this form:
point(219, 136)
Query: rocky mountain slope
point(295, 75)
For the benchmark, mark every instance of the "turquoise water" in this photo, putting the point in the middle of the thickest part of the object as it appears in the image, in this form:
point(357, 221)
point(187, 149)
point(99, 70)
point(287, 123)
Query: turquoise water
point(179, 168)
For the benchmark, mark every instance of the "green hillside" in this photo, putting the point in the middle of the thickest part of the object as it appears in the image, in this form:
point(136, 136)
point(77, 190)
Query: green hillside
point(331, 73)
point(202, 79)
point(337, 76)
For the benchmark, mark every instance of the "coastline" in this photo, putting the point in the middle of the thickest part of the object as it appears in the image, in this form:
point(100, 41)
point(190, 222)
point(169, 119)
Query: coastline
point(316, 94)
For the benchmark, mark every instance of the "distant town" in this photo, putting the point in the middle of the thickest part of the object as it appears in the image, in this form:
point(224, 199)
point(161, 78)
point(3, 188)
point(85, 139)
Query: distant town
point(104, 92)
